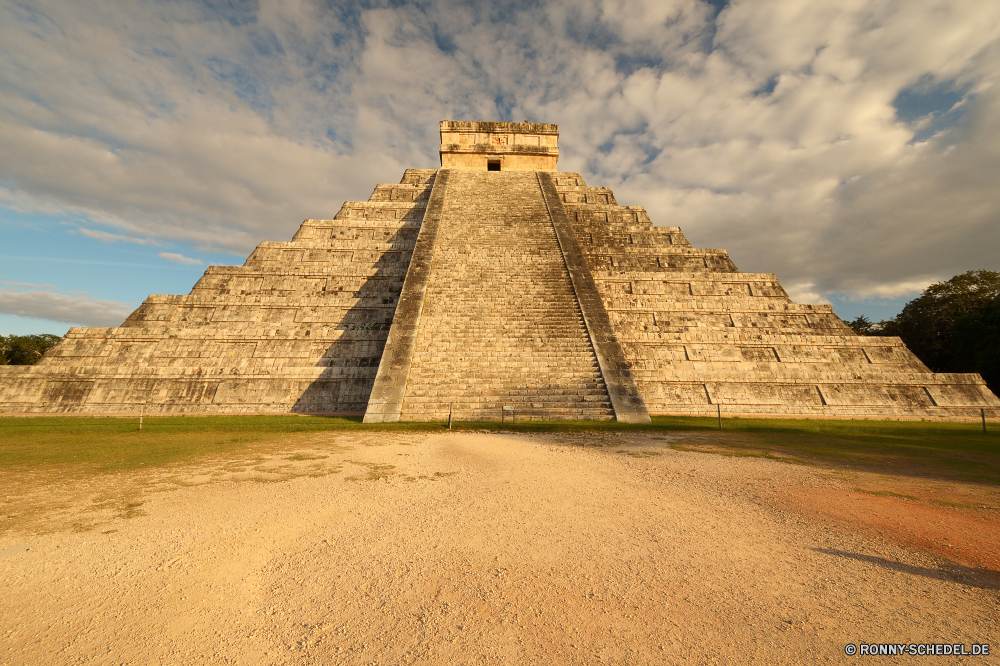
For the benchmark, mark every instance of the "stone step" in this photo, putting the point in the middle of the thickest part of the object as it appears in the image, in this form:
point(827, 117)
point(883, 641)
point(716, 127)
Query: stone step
point(548, 390)
point(492, 415)
point(500, 316)
point(485, 370)
point(444, 405)
point(495, 402)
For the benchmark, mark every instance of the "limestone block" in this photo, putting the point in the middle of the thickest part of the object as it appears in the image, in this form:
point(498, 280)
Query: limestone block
point(79, 347)
point(662, 396)
point(960, 395)
point(236, 313)
point(19, 386)
point(899, 396)
point(63, 394)
point(716, 288)
point(881, 353)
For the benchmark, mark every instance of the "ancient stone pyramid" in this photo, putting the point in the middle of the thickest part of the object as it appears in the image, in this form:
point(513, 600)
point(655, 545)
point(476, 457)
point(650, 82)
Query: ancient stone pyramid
point(495, 281)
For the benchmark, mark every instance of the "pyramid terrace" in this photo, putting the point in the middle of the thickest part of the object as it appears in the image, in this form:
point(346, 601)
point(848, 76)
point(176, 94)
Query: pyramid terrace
point(494, 281)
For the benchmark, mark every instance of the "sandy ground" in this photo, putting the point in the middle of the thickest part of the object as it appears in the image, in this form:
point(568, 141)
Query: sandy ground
point(459, 548)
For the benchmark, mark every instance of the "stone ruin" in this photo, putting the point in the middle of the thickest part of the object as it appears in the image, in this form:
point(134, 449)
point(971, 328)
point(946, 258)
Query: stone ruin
point(495, 281)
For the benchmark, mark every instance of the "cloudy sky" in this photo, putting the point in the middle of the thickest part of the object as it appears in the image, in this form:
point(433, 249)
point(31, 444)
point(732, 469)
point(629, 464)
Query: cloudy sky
point(851, 147)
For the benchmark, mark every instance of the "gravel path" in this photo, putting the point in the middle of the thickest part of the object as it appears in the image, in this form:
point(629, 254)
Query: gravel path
point(461, 548)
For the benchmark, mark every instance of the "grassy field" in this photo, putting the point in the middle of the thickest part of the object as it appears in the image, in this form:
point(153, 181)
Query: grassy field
point(117, 444)
point(957, 451)
point(940, 450)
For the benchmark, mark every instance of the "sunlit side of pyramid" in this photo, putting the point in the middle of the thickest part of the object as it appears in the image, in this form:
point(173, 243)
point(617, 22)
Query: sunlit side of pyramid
point(495, 281)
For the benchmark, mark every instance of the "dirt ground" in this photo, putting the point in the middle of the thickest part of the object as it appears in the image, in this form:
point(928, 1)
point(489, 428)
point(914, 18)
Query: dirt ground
point(488, 548)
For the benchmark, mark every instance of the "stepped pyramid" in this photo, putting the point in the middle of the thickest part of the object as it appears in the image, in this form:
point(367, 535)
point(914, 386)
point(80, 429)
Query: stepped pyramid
point(495, 281)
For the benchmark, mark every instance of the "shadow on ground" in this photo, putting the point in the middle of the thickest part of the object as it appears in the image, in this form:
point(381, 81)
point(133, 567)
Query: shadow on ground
point(971, 576)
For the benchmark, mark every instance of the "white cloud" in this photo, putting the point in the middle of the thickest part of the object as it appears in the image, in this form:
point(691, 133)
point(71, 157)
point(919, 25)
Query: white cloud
point(166, 121)
point(860, 291)
point(106, 237)
point(30, 285)
point(179, 258)
point(805, 292)
point(77, 310)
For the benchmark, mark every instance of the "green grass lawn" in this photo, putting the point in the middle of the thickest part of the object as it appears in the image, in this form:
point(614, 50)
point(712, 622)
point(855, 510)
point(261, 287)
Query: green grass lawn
point(116, 444)
point(931, 449)
point(959, 451)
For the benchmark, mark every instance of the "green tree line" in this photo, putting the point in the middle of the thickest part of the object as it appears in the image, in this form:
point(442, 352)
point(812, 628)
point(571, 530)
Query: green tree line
point(25, 349)
point(953, 326)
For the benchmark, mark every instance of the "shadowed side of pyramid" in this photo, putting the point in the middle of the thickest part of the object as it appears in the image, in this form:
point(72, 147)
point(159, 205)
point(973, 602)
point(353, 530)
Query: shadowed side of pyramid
point(366, 324)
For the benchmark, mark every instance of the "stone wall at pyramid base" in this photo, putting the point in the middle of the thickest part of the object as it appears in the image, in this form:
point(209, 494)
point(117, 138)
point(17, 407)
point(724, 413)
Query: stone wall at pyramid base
point(157, 393)
point(123, 370)
point(93, 390)
point(955, 397)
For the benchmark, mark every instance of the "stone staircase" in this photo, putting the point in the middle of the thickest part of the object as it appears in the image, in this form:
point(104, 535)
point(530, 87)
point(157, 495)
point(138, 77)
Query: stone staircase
point(501, 325)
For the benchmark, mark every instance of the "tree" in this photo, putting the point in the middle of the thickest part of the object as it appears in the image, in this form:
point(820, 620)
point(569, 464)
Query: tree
point(25, 349)
point(865, 326)
point(953, 326)
point(927, 323)
point(862, 326)
point(976, 343)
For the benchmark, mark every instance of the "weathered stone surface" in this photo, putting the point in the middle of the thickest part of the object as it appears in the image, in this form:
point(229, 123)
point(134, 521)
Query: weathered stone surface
point(386, 399)
point(524, 288)
point(699, 335)
point(299, 327)
point(509, 146)
point(500, 324)
point(615, 369)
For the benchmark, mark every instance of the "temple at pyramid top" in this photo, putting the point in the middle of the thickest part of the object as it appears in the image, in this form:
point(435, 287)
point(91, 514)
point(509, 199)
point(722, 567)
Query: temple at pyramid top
point(493, 146)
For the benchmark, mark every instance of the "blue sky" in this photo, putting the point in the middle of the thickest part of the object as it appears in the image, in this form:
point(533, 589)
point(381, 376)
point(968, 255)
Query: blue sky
point(849, 147)
point(55, 274)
